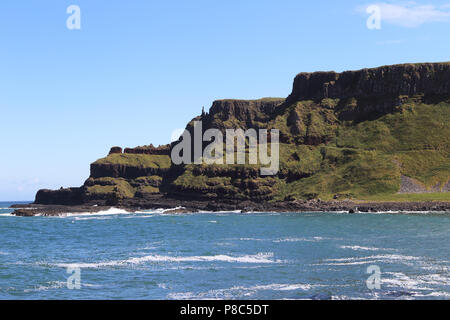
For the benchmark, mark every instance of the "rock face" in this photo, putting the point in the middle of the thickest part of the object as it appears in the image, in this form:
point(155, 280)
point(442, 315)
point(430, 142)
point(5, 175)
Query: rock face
point(160, 150)
point(343, 135)
point(115, 150)
point(248, 112)
point(397, 80)
point(99, 170)
point(69, 196)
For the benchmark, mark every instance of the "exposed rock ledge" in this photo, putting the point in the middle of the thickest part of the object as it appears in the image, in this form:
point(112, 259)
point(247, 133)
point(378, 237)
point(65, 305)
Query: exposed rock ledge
point(244, 206)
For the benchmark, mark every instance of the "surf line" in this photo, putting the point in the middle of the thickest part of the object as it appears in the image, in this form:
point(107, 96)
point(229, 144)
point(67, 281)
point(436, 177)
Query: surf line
point(192, 310)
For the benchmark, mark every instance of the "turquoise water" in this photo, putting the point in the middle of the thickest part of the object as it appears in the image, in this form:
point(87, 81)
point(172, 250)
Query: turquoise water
point(150, 255)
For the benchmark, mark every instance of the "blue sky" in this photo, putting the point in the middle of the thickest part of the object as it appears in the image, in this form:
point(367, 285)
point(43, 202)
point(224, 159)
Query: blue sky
point(137, 70)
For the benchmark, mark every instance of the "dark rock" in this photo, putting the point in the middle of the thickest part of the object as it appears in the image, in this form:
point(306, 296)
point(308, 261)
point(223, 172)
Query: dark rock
point(99, 170)
point(159, 201)
point(114, 150)
point(370, 93)
point(396, 80)
point(150, 149)
point(69, 196)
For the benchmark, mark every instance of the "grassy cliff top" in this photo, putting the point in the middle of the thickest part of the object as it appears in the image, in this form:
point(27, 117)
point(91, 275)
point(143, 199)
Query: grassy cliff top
point(137, 160)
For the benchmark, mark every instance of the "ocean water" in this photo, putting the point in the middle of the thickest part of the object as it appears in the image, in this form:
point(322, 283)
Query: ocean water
point(152, 255)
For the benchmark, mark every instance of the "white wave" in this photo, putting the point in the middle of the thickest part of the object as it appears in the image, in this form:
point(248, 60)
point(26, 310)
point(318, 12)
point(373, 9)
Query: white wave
point(171, 209)
point(252, 239)
point(313, 239)
point(166, 212)
point(6, 215)
point(113, 211)
point(162, 211)
point(48, 286)
point(232, 211)
point(342, 298)
point(57, 285)
point(351, 263)
point(257, 258)
point(361, 248)
point(110, 211)
point(219, 212)
point(183, 296)
point(417, 282)
point(237, 291)
point(387, 258)
point(380, 256)
point(439, 294)
point(403, 280)
point(283, 287)
point(439, 279)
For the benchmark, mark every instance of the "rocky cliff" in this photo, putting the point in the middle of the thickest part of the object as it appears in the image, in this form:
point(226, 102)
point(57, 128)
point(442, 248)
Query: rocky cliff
point(356, 134)
point(397, 80)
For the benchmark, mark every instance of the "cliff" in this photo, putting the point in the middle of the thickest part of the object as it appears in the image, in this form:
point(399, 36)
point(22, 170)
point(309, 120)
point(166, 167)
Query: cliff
point(367, 134)
point(396, 80)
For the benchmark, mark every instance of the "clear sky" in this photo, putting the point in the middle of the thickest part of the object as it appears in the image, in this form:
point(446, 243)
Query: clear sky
point(137, 70)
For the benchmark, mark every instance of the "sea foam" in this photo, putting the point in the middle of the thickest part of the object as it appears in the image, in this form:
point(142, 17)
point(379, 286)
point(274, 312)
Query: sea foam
point(257, 258)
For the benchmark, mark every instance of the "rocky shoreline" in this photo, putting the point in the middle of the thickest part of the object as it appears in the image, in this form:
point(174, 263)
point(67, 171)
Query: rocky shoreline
point(184, 206)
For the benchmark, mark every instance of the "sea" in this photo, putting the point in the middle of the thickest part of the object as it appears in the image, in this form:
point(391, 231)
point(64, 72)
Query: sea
point(117, 254)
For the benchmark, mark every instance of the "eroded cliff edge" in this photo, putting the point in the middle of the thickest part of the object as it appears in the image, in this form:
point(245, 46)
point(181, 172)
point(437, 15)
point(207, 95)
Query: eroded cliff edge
point(366, 134)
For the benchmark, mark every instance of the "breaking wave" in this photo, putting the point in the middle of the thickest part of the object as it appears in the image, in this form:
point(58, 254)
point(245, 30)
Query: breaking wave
point(238, 291)
point(361, 248)
point(257, 258)
point(386, 258)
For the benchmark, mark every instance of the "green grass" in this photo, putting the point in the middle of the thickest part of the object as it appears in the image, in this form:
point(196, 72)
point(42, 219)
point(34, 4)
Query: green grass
point(118, 187)
point(428, 166)
point(347, 174)
point(439, 196)
point(148, 189)
point(154, 181)
point(137, 160)
point(417, 138)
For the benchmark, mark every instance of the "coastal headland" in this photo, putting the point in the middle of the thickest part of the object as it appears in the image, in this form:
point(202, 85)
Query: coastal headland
point(372, 140)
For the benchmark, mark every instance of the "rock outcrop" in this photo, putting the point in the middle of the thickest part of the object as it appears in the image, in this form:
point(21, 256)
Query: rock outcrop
point(68, 196)
point(115, 150)
point(396, 80)
point(150, 149)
